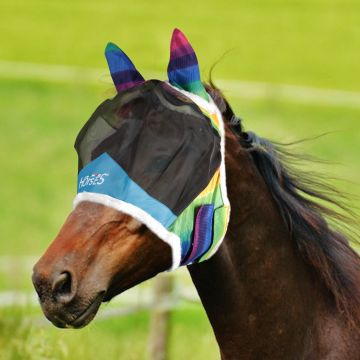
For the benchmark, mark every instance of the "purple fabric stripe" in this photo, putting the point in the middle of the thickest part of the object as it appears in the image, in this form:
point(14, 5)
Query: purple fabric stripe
point(203, 232)
point(124, 77)
point(182, 62)
point(128, 85)
point(179, 51)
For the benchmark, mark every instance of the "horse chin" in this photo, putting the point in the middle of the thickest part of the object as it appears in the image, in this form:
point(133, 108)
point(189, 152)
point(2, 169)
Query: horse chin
point(82, 317)
point(89, 313)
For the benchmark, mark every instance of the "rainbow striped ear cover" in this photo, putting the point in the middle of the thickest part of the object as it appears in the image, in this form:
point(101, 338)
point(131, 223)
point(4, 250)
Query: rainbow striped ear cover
point(156, 152)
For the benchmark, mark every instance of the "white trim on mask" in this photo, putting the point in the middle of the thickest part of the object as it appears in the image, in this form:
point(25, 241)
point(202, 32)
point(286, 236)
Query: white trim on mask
point(156, 227)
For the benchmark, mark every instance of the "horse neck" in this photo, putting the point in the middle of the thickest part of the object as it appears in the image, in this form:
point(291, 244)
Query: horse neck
point(256, 286)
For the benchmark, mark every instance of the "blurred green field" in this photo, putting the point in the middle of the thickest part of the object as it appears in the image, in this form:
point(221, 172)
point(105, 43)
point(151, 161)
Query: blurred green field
point(306, 43)
point(310, 42)
point(117, 338)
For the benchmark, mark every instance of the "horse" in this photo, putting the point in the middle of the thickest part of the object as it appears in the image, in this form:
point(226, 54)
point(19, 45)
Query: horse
point(283, 284)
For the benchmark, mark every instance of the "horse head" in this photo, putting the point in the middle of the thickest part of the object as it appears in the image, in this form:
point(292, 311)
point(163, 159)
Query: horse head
point(151, 189)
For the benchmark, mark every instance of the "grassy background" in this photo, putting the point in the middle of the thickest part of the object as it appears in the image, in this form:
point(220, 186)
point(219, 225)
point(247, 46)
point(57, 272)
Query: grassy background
point(308, 43)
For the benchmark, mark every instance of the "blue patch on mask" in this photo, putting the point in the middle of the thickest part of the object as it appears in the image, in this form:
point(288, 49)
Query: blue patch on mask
point(105, 176)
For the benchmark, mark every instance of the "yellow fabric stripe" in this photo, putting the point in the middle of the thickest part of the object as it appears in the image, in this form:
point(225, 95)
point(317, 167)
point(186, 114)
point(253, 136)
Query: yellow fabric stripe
point(212, 184)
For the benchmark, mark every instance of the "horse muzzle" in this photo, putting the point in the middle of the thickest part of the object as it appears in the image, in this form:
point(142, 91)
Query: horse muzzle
point(62, 302)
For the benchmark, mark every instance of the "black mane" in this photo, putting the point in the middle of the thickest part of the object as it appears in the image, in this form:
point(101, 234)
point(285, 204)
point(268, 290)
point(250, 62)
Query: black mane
point(308, 205)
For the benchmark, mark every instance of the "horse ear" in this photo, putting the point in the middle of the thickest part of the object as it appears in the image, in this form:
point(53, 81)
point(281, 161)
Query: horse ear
point(183, 68)
point(123, 71)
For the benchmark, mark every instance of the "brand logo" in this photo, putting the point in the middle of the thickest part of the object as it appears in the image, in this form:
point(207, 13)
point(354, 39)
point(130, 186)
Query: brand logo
point(93, 179)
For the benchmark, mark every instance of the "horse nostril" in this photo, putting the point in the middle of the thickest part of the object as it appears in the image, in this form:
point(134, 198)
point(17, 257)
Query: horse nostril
point(63, 287)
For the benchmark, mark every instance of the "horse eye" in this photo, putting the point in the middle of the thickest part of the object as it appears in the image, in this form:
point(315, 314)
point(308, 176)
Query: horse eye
point(135, 226)
point(142, 229)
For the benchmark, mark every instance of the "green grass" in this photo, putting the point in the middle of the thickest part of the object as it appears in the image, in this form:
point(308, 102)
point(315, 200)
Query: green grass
point(22, 337)
point(304, 42)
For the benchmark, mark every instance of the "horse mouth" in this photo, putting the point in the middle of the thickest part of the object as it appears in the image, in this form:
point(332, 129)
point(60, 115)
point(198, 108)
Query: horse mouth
point(88, 314)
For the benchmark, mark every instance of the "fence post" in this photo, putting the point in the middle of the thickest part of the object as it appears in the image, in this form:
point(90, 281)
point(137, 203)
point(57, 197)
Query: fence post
point(160, 318)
